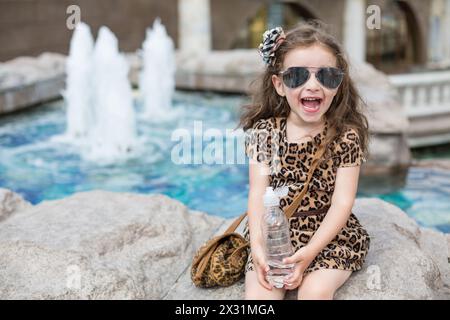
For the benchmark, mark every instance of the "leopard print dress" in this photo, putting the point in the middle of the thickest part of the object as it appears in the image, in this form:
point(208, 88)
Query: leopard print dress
point(289, 164)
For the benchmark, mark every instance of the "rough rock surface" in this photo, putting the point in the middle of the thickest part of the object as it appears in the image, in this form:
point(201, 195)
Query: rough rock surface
point(11, 203)
point(404, 262)
point(99, 245)
point(105, 245)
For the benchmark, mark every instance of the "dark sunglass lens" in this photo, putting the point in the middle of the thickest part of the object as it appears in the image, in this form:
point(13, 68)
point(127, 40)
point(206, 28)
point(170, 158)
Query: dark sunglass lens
point(330, 77)
point(295, 77)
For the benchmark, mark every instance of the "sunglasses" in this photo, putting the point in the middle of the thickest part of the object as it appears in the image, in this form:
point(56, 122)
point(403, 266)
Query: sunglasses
point(328, 77)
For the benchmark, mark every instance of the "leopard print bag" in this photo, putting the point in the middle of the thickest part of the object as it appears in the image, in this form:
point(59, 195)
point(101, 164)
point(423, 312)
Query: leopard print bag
point(221, 260)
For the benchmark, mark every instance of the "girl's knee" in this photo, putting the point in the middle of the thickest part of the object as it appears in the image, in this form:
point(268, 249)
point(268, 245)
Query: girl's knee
point(255, 291)
point(315, 291)
point(255, 294)
point(322, 284)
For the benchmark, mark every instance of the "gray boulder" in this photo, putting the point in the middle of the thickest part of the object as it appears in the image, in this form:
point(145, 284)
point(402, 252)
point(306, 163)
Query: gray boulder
point(105, 245)
point(404, 262)
point(99, 245)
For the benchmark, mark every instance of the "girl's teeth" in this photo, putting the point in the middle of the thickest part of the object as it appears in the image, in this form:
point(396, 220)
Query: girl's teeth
point(311, 104)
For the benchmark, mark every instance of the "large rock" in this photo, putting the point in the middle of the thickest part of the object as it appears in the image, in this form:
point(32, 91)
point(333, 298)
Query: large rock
point(104, 245)
point(10, 203)
point(404, 262)
point(99, 245)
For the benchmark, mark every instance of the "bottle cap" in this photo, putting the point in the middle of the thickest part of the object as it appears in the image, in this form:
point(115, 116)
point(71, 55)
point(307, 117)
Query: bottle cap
point(271, 198)
point(282, 191)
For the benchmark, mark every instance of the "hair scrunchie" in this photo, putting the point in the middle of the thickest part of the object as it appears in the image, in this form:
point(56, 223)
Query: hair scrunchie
point(271, 41)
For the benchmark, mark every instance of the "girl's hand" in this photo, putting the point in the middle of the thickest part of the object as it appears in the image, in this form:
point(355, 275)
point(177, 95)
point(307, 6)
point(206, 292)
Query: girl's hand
point(261, 266)
point(302, 259)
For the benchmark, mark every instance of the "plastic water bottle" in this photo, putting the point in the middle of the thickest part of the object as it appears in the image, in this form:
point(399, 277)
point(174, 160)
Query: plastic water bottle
point(277, 239)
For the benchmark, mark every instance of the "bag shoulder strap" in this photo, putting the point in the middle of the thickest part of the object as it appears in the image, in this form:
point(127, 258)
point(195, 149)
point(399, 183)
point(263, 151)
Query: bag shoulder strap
point(294, 205)
point(235, 224)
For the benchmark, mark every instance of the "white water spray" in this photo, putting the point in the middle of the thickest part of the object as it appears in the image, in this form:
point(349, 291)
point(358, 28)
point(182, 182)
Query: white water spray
point(157, 79)
point(78, 93)
point(100, 114)
point(114, 133)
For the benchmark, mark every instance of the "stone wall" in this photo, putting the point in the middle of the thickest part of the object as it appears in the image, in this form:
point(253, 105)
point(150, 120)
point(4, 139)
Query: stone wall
point(34, 26)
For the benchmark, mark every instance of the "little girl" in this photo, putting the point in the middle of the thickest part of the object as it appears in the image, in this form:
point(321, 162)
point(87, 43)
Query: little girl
point(306, 100)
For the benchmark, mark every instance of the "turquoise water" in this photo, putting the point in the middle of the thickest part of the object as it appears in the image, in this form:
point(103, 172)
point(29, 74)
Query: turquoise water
point(39, 169)
point(423, 193)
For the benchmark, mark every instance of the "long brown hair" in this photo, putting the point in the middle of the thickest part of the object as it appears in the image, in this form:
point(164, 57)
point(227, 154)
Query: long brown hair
point(345, 110)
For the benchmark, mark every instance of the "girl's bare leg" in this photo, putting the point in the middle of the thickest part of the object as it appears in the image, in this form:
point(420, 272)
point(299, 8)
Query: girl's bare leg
point(322, 284)
point(255, 291)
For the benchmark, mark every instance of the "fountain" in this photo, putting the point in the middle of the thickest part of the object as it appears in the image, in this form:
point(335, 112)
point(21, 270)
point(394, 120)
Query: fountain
point(114, 133)
point(100, 113)
point(77, 96)
point(157, 79)
point(101, 121)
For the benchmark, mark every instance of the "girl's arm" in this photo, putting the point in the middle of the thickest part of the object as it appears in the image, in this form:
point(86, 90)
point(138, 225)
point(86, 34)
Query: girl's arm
point(258, 181)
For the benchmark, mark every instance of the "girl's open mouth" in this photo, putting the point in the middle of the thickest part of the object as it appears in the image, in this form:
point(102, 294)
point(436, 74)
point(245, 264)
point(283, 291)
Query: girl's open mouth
point(311, 105)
